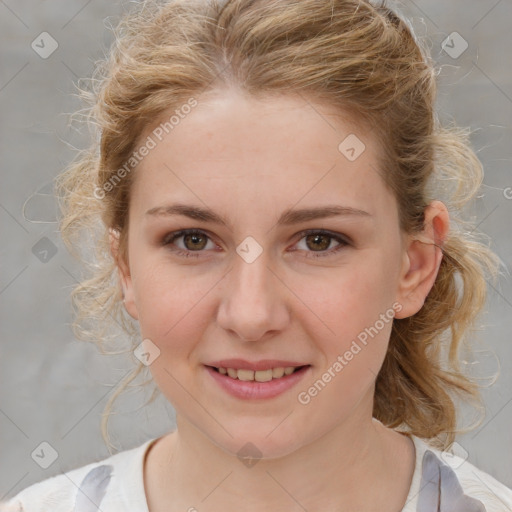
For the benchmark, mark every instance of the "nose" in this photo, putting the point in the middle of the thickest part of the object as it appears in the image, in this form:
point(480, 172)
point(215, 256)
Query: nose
point(253, 302)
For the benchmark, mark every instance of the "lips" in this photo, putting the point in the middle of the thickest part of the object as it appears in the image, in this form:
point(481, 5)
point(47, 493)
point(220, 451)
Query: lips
point(256, 384)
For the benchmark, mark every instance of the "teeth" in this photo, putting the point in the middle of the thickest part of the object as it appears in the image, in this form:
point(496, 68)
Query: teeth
point(277, 373)
point(258, 376)
point(263, 375)
point(245, 374)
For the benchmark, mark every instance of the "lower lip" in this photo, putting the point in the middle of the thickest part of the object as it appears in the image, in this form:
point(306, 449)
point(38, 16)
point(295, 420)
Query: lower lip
point(257, 390)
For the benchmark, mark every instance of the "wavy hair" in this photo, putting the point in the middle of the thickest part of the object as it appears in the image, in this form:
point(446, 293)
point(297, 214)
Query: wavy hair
point(355, 56)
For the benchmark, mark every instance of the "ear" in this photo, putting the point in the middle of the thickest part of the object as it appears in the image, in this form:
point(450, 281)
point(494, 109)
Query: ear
point(422, 259)
point(124, 275)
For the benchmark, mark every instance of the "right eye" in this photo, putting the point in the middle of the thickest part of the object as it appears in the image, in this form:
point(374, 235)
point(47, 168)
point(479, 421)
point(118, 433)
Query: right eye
point(195, 240)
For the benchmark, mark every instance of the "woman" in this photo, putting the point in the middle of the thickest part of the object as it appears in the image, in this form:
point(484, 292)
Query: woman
point(267, 174)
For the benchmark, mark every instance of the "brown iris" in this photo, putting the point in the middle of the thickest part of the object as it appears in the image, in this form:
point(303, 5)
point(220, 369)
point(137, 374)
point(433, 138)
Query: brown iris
point(318, 237)
point(194, 237)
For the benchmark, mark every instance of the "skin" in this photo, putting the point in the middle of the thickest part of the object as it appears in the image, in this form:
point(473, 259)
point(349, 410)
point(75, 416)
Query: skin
point(249, 160)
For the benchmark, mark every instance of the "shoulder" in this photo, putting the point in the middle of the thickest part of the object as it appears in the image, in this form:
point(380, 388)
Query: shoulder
point(58, 492)
point(111, 481)
point(451, 481)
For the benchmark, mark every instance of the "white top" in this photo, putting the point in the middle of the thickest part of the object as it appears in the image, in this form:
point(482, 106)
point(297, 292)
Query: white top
point(441, 483)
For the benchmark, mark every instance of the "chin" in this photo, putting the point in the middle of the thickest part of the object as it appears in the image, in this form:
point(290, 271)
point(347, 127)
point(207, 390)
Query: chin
point(251, 450)
point(253, 443)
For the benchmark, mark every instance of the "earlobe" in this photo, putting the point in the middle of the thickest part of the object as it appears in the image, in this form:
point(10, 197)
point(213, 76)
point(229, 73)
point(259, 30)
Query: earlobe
point(123, 271)
point(422, 260)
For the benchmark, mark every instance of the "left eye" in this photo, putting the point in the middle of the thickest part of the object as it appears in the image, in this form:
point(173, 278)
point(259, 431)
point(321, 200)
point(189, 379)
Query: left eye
point(322, 240)
point(195, 241)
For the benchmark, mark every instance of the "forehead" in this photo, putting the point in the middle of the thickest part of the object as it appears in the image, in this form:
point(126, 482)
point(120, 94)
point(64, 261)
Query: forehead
point(230, 123)
point(284, 148)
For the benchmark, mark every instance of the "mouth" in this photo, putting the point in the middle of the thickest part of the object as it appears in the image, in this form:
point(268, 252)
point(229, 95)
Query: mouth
point(250, 384)
point(258, 375)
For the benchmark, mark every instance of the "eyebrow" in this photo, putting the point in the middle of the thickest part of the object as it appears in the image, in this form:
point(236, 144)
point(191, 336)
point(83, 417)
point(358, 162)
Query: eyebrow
point(287, 218)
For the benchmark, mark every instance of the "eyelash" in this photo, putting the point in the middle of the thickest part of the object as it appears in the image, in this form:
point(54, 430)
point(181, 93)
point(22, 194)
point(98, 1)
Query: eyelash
point(171, 237)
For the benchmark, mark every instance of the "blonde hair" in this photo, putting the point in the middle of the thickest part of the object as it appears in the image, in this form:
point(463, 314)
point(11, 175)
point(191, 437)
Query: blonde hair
point(356, 57)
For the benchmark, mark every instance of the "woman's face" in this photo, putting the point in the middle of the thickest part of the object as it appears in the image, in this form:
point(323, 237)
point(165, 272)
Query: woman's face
point(258, 288)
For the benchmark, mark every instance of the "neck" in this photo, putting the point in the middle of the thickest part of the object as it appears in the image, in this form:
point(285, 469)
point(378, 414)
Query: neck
point(352, 467)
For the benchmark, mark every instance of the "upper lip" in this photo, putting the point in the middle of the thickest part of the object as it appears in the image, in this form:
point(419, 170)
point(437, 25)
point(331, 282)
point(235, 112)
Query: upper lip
point(264, 364)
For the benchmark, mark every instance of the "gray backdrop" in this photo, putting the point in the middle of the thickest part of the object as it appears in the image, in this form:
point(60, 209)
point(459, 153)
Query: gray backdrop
point(53, 388)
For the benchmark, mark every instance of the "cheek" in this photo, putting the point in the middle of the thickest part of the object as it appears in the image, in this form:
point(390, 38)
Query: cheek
point(350, 300)
point(356, 305)
point(360, 316)
point(171, 303)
